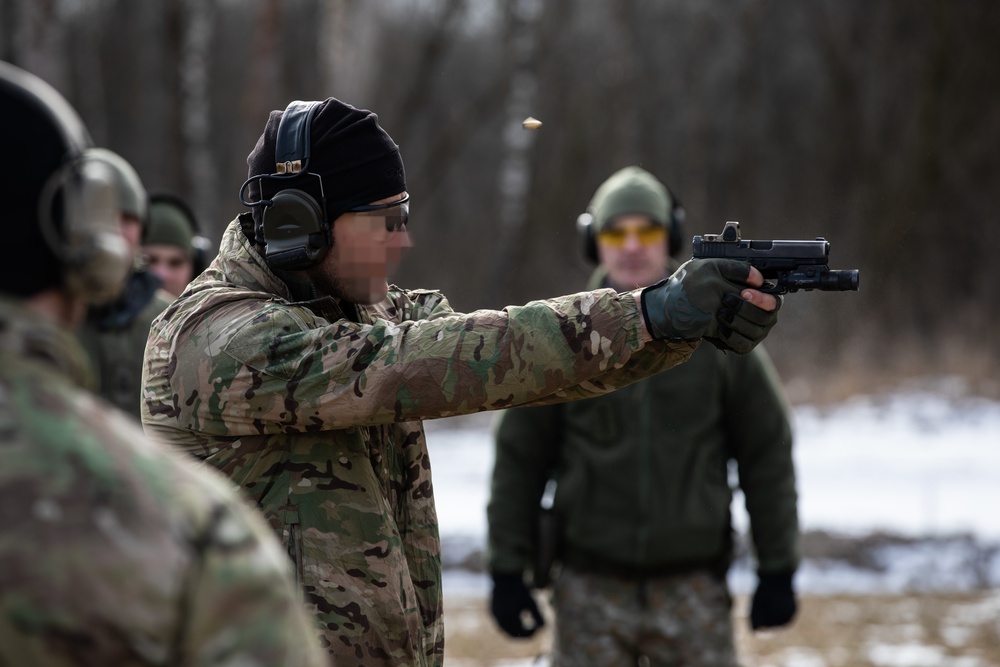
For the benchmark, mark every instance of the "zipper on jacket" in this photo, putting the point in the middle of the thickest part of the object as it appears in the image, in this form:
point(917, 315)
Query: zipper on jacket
point(295, 544)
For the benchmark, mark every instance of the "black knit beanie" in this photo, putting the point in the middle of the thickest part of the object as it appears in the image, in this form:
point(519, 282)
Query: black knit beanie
point(357, 160)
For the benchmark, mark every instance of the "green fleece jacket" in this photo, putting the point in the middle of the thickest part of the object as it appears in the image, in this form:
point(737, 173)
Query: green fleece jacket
point(643, 482)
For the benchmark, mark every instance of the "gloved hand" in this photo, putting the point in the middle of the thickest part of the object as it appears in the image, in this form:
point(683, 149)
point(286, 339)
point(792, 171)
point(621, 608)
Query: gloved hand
point(511, 598)
point(702, 300)
point(774, 602)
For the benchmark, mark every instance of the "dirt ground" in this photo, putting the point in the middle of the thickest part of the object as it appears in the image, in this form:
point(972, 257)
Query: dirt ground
point(951, 630)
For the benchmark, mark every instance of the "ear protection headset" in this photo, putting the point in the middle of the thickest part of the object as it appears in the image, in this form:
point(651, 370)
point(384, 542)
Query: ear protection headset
point(675, 230)
point(96, 258)
point(78, 205)
point(294, 230)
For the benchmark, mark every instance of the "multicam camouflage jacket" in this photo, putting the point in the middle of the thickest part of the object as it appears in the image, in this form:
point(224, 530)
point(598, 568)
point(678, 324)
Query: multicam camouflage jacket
point(118, 551)
point(317, 415)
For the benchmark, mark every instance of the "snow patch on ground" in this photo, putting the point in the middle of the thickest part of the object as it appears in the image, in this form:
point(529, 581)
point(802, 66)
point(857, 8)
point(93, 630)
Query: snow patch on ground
point(919, 467)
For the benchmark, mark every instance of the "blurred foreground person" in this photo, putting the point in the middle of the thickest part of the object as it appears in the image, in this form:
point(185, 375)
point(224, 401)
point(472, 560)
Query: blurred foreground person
point(114, 334)
point(639, 521)
point(172, 248)
point(292, 365)
point(113, 550)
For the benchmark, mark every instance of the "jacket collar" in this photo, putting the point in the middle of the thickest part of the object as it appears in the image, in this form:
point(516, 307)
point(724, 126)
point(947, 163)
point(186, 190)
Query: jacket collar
point(240, 264)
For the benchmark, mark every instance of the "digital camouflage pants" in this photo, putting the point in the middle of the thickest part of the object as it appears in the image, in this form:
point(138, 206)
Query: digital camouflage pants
point(667, 621)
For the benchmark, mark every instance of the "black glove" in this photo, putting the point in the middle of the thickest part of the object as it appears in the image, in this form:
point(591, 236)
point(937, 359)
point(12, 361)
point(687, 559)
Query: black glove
point(774, 602)
point(511, 598)
point(702, 300)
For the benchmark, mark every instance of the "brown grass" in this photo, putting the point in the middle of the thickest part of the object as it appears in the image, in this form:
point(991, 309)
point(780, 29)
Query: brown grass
point(949, 630)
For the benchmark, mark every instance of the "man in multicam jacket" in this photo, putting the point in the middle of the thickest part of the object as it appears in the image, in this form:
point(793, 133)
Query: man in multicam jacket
point(114, 550)
point(292, 365)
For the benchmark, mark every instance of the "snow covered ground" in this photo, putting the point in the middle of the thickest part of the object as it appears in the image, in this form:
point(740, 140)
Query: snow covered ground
point(924, 465)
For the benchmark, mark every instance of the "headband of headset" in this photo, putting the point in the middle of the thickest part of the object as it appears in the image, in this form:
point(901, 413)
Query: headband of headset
point(294, 229)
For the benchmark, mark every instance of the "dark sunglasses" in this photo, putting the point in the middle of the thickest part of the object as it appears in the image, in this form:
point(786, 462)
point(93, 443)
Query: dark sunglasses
point(394, 221)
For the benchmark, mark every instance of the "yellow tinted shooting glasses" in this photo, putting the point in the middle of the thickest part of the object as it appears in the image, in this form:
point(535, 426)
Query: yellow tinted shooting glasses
point(616, 237)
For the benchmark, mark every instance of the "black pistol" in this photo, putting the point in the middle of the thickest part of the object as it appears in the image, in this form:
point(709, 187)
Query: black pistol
point(787, 266)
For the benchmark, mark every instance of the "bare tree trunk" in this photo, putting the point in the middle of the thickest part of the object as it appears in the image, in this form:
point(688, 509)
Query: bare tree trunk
point(37, 35)
point(515, 164)
point(263, 72)
point(8, 21)
point(197, 28)
point(90, 98)
point(348, 62)
point(626, 88)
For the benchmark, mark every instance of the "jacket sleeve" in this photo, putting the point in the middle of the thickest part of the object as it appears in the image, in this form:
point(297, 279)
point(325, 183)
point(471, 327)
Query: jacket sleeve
point(258, 366)
point(760, 438)
point(528, 441)
point(654, 357)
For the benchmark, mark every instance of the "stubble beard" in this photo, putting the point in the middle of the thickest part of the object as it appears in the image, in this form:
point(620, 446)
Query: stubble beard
point(328, 283)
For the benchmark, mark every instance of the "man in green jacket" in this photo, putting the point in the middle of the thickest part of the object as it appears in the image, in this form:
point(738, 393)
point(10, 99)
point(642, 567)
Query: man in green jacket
point(292, 365)
point(114, 550)
point(641, 482)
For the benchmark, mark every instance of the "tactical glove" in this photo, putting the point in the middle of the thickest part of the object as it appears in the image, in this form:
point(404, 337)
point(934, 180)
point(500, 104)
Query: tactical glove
point(702, 300)
point(774, 602)
point(511, 599)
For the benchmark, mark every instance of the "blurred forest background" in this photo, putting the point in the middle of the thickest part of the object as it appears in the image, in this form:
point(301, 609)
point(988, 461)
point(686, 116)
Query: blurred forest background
point(875, 125)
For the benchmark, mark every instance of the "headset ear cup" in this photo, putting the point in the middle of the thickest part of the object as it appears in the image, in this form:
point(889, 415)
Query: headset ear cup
point(201, 248)
point(588, 241)
point(675, 239)
point(295, 233)
point(96, 257)
point(293, 226)
point(675, 234)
